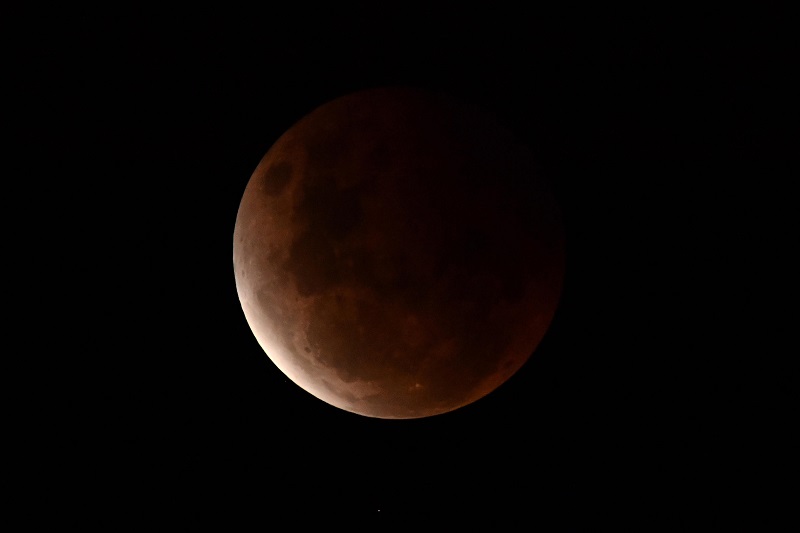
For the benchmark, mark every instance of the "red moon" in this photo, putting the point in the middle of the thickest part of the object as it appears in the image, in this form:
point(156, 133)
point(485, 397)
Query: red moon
point(397, 255)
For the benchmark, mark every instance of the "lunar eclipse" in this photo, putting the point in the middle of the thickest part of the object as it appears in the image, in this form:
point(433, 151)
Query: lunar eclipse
point(397, 254)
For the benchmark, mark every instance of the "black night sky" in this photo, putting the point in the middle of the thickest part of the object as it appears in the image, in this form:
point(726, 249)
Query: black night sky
point(638, 407)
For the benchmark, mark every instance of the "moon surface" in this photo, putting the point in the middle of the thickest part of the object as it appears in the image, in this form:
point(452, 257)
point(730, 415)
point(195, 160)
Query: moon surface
point(397, 255)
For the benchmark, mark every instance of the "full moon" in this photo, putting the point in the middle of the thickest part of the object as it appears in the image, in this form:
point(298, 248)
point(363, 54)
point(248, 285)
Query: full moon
point(397, 254)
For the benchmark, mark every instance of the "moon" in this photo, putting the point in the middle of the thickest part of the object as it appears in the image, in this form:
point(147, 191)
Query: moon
point(397, 254)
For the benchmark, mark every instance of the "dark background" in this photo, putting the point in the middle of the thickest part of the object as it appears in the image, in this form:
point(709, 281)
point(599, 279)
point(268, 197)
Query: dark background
point(659, 133)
